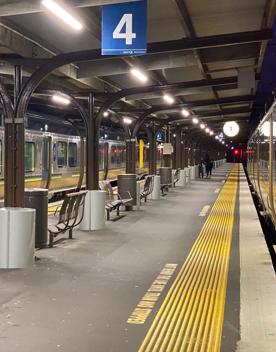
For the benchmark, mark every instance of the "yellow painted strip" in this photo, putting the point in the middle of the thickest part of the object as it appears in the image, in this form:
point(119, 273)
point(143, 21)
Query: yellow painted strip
point(35, 179)
point(204, 210)
point(53, 209)
point(146, 305)
point(56, 177)
point(141, 153)
point(191, 316)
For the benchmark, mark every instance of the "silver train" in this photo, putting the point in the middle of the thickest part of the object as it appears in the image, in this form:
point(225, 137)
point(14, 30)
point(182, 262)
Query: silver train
point(261, 164)
point(57, 162)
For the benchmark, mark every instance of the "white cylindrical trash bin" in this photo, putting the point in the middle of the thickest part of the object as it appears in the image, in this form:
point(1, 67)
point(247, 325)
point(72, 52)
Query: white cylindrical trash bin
point(192, 172)
point(94, 211)
point(182, 179)
point(187, 173)
point(17, 238)
point(156, 194)
point(196, 171)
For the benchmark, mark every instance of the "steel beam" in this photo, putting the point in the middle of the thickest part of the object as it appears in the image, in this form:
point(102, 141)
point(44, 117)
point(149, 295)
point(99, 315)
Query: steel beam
point(211, 41)
point(198, 103)
point(12, 8)
point(107, 67)
point(175, 45)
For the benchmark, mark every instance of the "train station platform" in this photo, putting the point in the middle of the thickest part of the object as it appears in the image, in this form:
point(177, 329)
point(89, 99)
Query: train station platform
point(190, 272)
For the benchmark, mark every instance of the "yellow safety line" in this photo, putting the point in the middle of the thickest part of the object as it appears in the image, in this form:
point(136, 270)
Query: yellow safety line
point(191, 316)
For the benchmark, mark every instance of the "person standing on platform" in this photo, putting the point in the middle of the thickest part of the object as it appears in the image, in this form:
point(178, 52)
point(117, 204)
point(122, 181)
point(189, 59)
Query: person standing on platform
point(207, 165)
point(201, 169)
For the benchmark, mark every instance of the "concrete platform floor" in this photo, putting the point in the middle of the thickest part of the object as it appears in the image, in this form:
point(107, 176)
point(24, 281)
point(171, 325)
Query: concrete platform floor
point(80, 294)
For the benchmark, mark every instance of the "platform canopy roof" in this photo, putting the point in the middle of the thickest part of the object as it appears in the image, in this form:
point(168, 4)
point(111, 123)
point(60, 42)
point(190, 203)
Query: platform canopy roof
point(28, 31)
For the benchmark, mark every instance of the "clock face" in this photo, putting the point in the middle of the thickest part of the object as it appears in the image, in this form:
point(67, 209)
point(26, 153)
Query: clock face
point(231, 128)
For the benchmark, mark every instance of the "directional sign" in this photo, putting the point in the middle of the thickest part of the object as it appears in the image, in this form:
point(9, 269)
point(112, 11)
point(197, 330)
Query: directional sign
point(124, 28)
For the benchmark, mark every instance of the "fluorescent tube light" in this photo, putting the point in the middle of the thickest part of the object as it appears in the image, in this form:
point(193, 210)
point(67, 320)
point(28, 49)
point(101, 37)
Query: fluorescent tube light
point(65, 16)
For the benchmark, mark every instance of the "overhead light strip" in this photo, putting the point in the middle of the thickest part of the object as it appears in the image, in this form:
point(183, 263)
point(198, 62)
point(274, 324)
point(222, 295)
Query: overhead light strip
point(140, 75)
point(65, 16)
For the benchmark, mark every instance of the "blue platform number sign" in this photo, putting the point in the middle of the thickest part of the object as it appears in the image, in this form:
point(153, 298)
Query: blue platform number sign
point(124, 28)
point(159, 137)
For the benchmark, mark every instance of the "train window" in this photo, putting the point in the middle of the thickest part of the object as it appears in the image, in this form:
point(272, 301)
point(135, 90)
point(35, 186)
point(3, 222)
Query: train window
point(123, 154)
point(72, 154)
point(101, 156)
point(116, 155)
point(29, 157)
point(61, 154)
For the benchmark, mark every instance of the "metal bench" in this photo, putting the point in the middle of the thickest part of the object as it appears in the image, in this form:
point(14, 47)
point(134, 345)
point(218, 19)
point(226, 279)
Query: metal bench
point(148, 188)
point(69, 216)
point(113, 202)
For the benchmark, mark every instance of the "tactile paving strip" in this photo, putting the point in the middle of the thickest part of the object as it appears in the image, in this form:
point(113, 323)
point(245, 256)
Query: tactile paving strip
point(191, 316)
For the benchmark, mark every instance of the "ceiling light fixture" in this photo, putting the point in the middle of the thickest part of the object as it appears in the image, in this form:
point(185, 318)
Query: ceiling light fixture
point(65, 16)
point(138, 74)
point(195, 121)
point(127, 121)
point(168, 98)
point(202, 126)
point(105, 114)
point(57, 98)
point(185, 112)
point(211, 133)
point(207, 130)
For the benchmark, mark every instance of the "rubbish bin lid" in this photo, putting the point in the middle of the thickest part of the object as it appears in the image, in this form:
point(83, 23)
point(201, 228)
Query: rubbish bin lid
point(36, 191)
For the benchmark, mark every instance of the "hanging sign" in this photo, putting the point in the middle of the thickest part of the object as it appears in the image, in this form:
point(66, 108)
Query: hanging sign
point(124, 28)
point(159, 137)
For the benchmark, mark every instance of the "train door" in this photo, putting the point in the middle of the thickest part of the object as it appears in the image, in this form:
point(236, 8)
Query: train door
point(46, 162)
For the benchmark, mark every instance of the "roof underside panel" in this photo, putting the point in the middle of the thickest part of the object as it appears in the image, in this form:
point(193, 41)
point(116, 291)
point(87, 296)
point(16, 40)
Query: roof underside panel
point(40, 35)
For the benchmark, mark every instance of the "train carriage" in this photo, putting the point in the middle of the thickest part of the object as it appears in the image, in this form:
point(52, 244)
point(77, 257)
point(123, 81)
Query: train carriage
point(57, 161)
point(262, 163)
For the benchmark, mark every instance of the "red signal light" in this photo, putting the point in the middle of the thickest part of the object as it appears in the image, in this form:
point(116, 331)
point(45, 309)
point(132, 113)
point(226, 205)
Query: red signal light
point(236, 152)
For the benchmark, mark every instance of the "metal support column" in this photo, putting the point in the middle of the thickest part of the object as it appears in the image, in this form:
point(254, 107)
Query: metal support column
point(167, 158)
point(151, 132)
point(197, 154)
point(14, 182)
point(185, 154)
point(131, 156)
point(92, 149)
point(178, 150)
point(192, 159)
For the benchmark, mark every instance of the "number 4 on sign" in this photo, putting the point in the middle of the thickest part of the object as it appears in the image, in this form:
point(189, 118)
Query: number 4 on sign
point(128, 35)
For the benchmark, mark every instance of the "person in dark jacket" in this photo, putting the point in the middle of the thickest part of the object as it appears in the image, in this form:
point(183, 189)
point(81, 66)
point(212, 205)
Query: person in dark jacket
point(207, 165)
